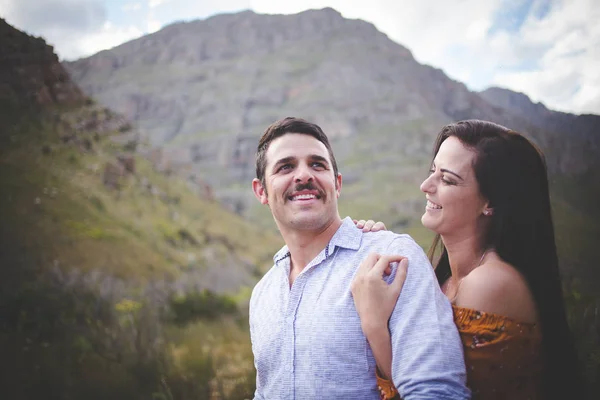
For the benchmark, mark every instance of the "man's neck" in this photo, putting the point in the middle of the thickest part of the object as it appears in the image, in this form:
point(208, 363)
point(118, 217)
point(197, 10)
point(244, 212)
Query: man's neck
point(305, 245)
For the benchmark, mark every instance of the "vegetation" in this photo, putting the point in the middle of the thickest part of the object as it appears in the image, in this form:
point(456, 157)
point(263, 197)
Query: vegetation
point(131, 290)
point(139, 290)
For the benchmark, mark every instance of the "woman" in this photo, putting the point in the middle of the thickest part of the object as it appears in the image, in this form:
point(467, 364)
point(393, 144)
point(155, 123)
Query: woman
point(488, 202)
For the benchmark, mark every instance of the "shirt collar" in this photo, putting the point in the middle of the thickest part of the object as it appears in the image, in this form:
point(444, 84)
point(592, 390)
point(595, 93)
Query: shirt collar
point(283, 253)
point(347, 236)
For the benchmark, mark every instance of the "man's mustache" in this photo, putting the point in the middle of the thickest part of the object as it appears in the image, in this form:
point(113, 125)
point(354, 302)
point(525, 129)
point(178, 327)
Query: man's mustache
point(306, 186)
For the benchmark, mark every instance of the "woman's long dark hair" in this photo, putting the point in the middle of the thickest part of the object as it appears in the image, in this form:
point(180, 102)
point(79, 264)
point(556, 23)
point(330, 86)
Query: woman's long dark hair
point(512, 176)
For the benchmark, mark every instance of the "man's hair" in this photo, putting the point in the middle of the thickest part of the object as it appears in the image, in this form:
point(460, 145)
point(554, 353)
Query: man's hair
point(280, 128)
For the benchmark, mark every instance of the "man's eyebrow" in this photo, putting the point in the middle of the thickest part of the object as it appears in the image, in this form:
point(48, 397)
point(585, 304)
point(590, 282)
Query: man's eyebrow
point(284, 160)
point(453, 173)
point(316, 157)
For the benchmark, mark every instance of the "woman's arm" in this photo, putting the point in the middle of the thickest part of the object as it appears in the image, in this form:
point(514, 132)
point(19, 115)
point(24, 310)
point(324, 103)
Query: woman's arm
point(375, 300)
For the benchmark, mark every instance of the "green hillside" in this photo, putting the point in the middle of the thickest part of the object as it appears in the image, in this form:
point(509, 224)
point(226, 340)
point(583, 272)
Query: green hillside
point(135, 284)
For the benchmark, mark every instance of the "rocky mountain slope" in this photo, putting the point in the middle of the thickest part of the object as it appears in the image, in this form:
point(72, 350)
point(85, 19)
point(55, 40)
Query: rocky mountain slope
point(30, 73)
point(74, 156)
point(205, 90)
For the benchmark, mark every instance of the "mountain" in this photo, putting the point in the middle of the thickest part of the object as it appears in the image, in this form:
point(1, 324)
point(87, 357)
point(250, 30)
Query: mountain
point(580, 130)
point(31, 75)
point(117, 280)
point(95, 158)
point(205, 90)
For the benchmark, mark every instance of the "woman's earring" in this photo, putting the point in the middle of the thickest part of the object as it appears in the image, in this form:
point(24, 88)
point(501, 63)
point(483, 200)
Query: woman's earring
point(487, 213)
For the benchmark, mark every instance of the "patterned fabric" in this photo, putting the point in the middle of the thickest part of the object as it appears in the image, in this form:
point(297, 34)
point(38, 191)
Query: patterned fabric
point(308, 342)
point(503, 356)
point(386, 388)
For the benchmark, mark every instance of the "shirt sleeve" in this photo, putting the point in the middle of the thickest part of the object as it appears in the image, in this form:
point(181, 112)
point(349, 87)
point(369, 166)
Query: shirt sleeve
point(427, 354)
point(257, 395)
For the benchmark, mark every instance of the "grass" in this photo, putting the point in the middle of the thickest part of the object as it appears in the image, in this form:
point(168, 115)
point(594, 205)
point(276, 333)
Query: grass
point(59, 202)
point(114, 336)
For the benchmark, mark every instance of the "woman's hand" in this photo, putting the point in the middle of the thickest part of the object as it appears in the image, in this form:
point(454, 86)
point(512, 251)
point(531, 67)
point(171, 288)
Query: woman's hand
point(374, 298)
point(370, 225)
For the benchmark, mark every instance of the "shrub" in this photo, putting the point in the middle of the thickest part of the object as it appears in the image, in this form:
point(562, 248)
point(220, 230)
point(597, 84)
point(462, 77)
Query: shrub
point(201, 305)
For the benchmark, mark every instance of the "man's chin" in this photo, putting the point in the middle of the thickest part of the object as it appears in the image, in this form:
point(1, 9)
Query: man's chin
point(308, 222)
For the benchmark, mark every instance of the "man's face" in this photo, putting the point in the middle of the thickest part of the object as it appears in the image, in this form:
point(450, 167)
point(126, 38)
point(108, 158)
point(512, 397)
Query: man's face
point(301, 188)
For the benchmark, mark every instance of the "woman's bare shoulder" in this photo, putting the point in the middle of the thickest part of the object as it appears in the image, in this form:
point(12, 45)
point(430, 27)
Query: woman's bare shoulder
point(497, 287)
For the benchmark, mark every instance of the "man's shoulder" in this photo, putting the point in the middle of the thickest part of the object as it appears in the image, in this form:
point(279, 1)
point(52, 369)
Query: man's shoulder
point(391, 240)
point(266, 278)
point(387, 242)
point(271, 274)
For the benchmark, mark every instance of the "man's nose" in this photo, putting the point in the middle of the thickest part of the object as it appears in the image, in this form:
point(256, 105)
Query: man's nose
point(303, 174)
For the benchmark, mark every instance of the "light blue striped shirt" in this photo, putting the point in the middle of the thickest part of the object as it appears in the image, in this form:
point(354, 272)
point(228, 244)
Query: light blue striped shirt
point(308, 342)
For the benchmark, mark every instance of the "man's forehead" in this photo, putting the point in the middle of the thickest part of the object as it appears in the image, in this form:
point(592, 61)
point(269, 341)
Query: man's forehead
point(296, 145)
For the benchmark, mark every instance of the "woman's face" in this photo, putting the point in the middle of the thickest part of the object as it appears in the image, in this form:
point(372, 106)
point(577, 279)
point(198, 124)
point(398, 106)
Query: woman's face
point(454, 204)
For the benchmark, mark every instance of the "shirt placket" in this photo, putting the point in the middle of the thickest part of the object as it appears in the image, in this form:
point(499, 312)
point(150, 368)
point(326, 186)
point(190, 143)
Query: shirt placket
point(295, 295)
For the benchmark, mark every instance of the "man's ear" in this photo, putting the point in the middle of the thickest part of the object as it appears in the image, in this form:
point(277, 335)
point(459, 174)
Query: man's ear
point(338, 184)
point(259, 191)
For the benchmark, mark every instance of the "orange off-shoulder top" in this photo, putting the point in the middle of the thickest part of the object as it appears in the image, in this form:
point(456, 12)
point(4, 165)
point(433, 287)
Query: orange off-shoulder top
point(503, 357)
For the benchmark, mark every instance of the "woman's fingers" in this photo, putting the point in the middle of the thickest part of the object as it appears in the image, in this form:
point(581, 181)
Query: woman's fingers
point(400, 277)
point(369, 225)
point(378, 226)
point(383, 264)
point(367, 264)
point(372, 226)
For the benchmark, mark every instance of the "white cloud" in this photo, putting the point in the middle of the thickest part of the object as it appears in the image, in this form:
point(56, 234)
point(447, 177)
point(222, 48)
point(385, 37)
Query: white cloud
point(156, 3)
point(152, 24)
point(567, 76)
point(75, 28)
point(163, 12)
point(108, 37)
point(132, 7)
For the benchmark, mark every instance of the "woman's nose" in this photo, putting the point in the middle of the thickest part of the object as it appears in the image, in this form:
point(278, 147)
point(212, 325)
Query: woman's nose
point(427, 186)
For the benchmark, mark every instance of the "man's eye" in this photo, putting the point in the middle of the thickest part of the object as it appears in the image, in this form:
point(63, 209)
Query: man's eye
point(318, 165)
point(285, 167)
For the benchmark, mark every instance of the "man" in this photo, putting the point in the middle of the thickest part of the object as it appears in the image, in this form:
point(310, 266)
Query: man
point(306, 335)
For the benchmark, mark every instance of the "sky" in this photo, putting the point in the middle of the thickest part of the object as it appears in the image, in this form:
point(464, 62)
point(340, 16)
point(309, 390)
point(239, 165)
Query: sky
point(547, 49)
